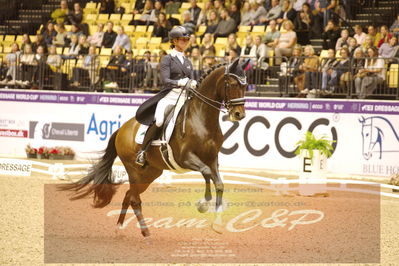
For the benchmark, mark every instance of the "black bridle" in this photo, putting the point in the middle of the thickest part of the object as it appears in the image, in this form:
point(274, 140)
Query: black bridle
point(227, 103)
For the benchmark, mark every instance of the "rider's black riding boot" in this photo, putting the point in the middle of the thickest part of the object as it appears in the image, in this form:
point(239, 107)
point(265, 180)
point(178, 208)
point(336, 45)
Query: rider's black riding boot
point(152, 133)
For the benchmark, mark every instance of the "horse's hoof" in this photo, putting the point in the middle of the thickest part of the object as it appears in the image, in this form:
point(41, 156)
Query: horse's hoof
point(202, 206)
point(148, 240)
point(218, 228)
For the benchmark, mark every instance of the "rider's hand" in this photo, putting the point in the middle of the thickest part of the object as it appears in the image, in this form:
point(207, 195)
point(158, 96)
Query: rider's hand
point(193, 84)
point(182, 82)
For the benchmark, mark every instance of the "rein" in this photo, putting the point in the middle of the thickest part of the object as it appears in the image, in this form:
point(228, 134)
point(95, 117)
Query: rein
point(227, 103)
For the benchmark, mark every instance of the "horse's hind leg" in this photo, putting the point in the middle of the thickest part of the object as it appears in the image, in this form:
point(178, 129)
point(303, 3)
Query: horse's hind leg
point(135, 202)
point(125, 206)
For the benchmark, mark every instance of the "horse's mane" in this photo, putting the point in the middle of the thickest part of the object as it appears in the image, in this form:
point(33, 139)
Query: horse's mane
point(209, 71)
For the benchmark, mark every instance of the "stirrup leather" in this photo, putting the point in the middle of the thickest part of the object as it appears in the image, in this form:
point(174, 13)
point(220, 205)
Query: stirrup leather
point(140, 159)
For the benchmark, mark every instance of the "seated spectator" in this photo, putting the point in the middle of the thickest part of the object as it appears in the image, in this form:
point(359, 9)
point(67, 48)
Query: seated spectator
point(234, 13)
point(325, 8)
point(270, 39)
point(162, 28)
point(389, 50)
point(11, 61)
point(249, 49)
point(122, 39)
point(112, 71)
point(151, 70)
point(212, 22)
point(395, 27)
point(330, 35)
point(218, 6)
point(287, 12)
point(232, 44)
point(207, 44)
point(87, 75)
point(49, 34)
point(157, 9)
point(261, 48)
point(205, 14)
point(25, 40)
point(188, 24)
point(192, 44)
point(41, 69)
point(194, 11)
point(107, 6)
point(208, 60)
point(28, 64)
point(75, 16)
point(75, 30)
point(290, 70)
point(285, 42)
point(385, 36)
point(54, 61)
point(233, 54)
point(196, 61)
point(303, 24)
point(247, 14)
point(360, 36)
point(97, 37)
point(343, 40)
point(139, 6)
point(298, 4)
point(352, 46)
point(133, 71)
point(259, 12)
point(273, 14)
point(372, 32)
point(84, 45)
point(226, 25)
point(60, 38)
point(368, 43)
point(60, 14)
point(74, 48)
point(309, 66)
point(109, 36)
point(39, 41)
point(326, 69)
point(340, 75)
point(148, 16)
point(371, 76)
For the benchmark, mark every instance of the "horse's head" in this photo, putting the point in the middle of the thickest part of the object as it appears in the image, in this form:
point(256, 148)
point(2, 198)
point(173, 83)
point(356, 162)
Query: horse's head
point(235, 83)
point(371, 135)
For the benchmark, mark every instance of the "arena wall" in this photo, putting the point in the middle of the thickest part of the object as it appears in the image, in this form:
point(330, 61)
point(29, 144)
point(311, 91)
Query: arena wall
point(366, 132)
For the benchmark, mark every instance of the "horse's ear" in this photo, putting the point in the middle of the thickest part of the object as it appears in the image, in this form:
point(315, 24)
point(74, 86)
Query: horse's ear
point(245, 64)
point(233, 65)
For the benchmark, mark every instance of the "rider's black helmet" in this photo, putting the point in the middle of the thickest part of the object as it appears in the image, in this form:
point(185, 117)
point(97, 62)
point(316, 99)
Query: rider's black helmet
point(178, 32)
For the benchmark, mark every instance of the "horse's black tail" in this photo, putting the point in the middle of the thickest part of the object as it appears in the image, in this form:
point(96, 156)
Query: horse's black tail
point(99, 179)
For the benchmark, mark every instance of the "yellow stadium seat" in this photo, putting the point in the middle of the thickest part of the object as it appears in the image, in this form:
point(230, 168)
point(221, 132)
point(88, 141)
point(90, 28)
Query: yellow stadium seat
point(165, 46)
point(177, 16)
point(185, 5)
point(126, 18)
point(393, 76)
point(103, 61)
point(201, 30)
point(135, 52)
point(115, 18)
point(220, 43)
point(129, 30)
point(7, 49)
point(259, 29)
point(90, 11)
point(59, 50)
point(142, 51)
point(141, 43)
point(154, 43)
point(79, 63)
point(102, 18)
point(9, 38)
point(106, 51)
point(243, 31)
point(90, 18)
point(66, 50)
point(127, 7)
point(140, 31)
point(68, 27)
point(19, 39)
point(271, 55)
point(1, 38)
point(91, 5)
point(323, 54)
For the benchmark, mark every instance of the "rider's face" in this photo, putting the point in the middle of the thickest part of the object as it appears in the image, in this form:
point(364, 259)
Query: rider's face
point(181, 44)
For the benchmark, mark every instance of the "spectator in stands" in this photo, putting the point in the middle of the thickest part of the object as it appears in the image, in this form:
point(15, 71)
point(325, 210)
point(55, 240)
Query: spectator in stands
point(28, 64)
point(41, 70)
point(343, 40)
point(249, 49)
point(259, 13)
point(325, 8)
point(151, 69)
point(204, 16)
point(368, 43)
point(372, 32)
point(385, 35)
point(287, 12)
point(208, 60)
point(247, 13)
point(207, 44)
point(196, 61)
point(271, 36)
point(326, 67)
point(188, 24)
point(54, 61)
point(122, 39)
point(74, 48)
point(395, 27)
point(303, 25)
point(109, 36)
point(112, 73)
point(139, 6)
point(330, 35)
point(25, 40)
point(235, 13)
point(212, 22)
point(39, 41)
point(226, 25)
point(12, 60)
point(232, 44)
point(233, 54)
point(261, 48)
point(388, 50)
point(360, 36)
point(218, 6)
point(298, 4)
point(96, 38)
point(372, 75)
point(340, 74)
point(49, 34)
point(192, 44)
point(273, 13)
point(309, 66)
point(84, 45)
point(75, 16)
point(107, 6)
point(290, 70)
point(89, 69)
point(75, 30)
point(162, 28)
point(194, 11)
point(285, 42)
point(352, 46)
point(60, 38)
point(60, 14)
point(133, 71)
point(148, 16)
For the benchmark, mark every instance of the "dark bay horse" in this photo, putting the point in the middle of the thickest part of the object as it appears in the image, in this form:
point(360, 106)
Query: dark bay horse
point(197, 149)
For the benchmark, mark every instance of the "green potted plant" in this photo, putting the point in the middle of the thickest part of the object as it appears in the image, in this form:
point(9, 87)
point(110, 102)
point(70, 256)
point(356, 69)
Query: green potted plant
point(394, 181)
point(310, 144)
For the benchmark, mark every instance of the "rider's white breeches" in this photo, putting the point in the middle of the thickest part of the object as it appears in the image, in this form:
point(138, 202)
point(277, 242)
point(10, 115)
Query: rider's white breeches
point(170, 99)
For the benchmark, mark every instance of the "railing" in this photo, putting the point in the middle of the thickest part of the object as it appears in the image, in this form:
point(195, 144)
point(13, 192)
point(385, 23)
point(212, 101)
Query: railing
point(265, 77)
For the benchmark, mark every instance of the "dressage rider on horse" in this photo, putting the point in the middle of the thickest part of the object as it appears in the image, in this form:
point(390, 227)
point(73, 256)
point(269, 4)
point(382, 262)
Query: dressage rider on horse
point(176, 71)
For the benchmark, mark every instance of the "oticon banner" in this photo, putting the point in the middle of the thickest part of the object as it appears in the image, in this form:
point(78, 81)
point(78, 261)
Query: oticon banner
point(366, 133)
